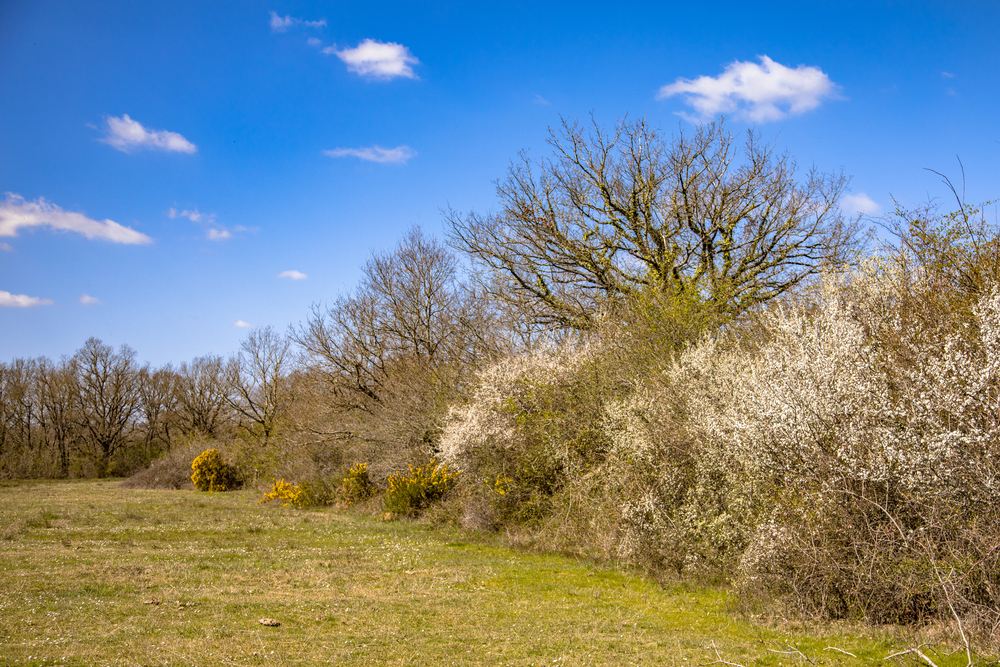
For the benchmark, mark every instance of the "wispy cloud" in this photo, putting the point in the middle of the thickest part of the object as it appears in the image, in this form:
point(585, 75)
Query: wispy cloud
point(947, 75)
point(127, 135)
point(16, 213)
point(87, 300)
point(6, 247)
point(240, 324)
point(279, 24)
point(193, 215)
point(860, 203)
point(294, 275)
point(541, 100)
point(397, 155)
point(761, 92)
point(221, 233)
point(283, 23)
point(8, 300)
point(214, 231)
point(377, 60)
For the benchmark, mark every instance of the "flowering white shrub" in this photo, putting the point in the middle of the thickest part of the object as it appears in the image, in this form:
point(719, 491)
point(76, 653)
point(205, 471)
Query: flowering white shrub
point(872, 438)
point(844, 457)
point(533, 421)
point(488, 421)
point(685, 505)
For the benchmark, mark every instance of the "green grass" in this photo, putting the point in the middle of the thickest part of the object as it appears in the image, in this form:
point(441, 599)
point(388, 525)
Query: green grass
point(92, 574)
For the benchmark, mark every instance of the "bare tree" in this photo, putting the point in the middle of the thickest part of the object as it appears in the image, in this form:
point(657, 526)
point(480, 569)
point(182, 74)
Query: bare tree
point(391, 356)
point(9, 400)
point(258, 381)
point(200, 391)
point(18, 409)
point(615, 213)
point(157, 395)
point(58, 392)
point(108, 398)
point(409, 310)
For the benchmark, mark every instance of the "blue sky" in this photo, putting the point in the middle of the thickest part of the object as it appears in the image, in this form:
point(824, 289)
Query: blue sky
point(176, 168)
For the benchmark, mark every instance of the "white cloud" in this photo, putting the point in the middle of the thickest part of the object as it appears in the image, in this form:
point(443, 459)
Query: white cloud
point(294, 275)
point(6, 247)
point(240, 324)
point(8, 300)
point(16, 213)
point(860, 203)
point(281, 24)
point(765, 92)
point(541, 100)
point(126, 135)
point(313, 41)
point(397, 155)
point(947, 75)
point(213, 230)
point(378, 60)
point(194, 215)
point(87, 300)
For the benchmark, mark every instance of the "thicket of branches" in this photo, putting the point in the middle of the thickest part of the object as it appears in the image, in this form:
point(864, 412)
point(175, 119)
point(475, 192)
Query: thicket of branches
point(673, 353)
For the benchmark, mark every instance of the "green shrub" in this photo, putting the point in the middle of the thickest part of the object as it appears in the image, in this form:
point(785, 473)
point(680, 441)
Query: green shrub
point(410, 494)
point(211, 473)
point(357, 486)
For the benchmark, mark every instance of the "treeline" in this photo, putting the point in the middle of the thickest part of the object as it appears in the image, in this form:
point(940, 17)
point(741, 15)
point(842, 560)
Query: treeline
point(100, 413)
point(678, 354)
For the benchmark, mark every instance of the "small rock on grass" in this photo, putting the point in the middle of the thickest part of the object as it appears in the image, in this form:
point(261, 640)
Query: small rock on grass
point(270, 622)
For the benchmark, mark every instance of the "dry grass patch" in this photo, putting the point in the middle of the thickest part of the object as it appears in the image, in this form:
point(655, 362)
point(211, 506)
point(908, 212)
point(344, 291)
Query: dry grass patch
point(93, 574)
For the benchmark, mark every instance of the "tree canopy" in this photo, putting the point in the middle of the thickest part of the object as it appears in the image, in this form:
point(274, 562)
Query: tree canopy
point(614, 213)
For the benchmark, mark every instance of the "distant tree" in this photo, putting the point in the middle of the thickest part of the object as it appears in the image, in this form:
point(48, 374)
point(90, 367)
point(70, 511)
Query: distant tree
point(409, 310)
point(200, 392)
point(615, 213)
point(18, 409)
point(391, 356)
point(108, 398)
point(158, 398)
point(58, 391)
point(258, 382)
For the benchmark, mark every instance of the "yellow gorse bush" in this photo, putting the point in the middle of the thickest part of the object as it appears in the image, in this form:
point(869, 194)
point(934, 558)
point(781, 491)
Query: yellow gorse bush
point(357, 486)
point(500, 485)
point(285, 493)
point(211, 473)
point(410, 493)
point(305, 494)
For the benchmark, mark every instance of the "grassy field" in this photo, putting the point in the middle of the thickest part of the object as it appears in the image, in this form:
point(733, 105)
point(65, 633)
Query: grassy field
point(92, 574)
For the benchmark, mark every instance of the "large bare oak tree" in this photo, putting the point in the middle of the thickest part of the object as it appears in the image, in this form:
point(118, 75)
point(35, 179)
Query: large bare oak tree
point(616, 212)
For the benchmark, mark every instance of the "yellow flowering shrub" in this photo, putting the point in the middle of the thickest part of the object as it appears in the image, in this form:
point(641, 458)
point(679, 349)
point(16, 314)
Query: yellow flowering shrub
point(212, 473)
point(305, 494)
point(357, 486)
point(283, 492)
point(408, 494)
point(499, 486)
